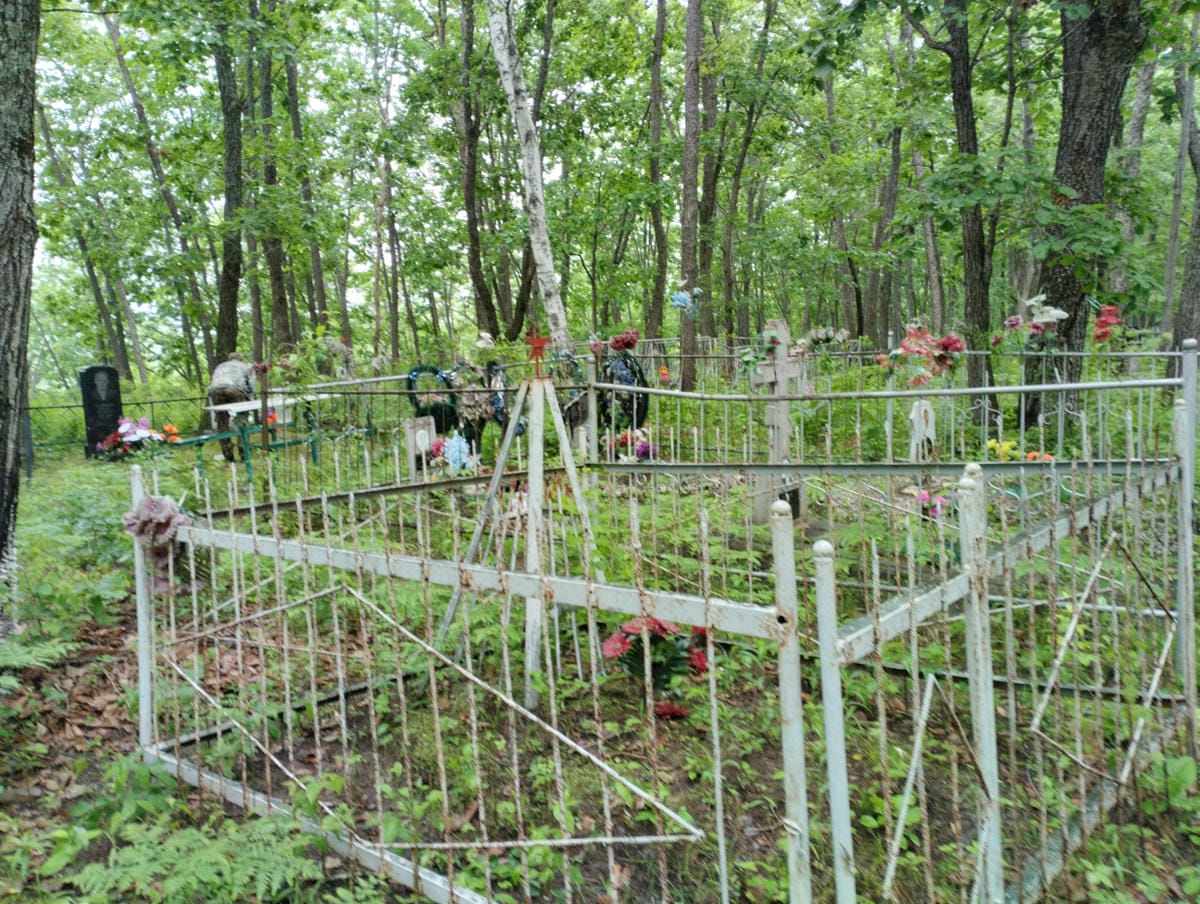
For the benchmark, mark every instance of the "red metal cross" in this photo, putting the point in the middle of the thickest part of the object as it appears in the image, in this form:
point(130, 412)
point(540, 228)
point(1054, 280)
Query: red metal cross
point(537, 349)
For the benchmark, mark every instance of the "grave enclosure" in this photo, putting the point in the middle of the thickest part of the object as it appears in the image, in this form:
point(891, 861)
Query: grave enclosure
point(923, 675)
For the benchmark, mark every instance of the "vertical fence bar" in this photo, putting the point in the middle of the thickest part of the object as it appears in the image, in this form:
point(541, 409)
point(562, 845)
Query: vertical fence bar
point(535, 607)
point(791, 705)
point(972, 527)
point(1185, 637)
point(835, 728)
point(145, 641)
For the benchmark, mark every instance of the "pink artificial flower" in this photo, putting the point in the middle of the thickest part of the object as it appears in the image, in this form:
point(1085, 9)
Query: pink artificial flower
point(616, 646)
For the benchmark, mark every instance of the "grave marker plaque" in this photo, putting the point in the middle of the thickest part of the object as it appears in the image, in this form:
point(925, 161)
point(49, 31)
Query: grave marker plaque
point(922, 431)
point(100, 387)
point(419, 434)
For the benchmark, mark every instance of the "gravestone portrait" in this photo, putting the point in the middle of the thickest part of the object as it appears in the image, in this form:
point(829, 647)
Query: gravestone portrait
point(100, 386)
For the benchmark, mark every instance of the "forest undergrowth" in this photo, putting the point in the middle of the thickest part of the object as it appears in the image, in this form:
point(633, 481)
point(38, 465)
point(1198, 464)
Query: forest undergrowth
point(82, 819)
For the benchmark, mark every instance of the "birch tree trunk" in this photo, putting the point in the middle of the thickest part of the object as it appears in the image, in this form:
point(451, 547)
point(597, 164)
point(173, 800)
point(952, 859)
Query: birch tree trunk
point(508, 60)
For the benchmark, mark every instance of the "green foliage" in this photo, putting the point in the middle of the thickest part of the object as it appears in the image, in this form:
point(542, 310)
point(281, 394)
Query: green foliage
point(220, 861)
point(17, 654)
point(76, 556)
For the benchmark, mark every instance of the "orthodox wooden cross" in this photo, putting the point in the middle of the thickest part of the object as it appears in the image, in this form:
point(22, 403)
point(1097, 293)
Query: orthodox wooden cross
point(779, 374)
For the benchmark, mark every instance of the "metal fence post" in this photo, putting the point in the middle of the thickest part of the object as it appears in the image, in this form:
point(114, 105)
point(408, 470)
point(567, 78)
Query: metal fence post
point(835, 727)
point(791, 705)
point(972, 507)
point(145, 640)
point(1185, 603)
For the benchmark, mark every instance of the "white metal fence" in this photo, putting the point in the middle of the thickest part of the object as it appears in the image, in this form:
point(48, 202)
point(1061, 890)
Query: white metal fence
point(490, 686)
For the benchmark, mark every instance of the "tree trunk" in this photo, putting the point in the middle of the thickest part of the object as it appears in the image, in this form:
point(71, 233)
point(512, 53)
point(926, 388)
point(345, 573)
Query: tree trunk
point(878, 281)
point(849, 287)
point(160, 179)
point(710, 174)
point(316, 266)
point(231, 235)
point(283, 339)
point(466, 116)
point(20, 21)
point(753, 111)
point(1098, 52)
point(658, 295)
point(1131, 167)
point(1187, 317)
point(508, 60)
point(115, 339)
point(116, 285)
point(977, 264)
point(933, 256)
point(689, 204)
point(1185, 86)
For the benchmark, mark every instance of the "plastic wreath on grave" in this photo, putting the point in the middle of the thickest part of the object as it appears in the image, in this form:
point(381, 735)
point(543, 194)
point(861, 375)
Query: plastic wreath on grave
point(921, 355)
point(817, 340)
point(621, 410)
point(633, 445)
point(1037, 332)
point(132, 437)
point(673, 653)
point(154, 524)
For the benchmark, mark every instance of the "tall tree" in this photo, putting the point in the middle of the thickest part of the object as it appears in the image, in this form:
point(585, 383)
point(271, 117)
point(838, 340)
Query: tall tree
point(284, 337)
point(658, 295)
point(1186, 324)
point(689, 210)
point(230, 279)
point(512, 77)
point(1101, 40)
point(976, 250)
point(20, 22)
point(154, 155)
point(110, 324)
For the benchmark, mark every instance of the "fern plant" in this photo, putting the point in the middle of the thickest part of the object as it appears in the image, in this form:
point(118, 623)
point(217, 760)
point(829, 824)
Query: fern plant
point(223, 861)
point(17, 655)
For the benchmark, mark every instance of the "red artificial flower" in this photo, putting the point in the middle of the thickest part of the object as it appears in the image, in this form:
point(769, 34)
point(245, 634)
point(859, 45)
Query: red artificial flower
point(666, 709)
point(698, 661)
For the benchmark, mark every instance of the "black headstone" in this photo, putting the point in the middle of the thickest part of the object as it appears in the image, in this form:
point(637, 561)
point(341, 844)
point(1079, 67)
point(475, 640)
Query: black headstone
point(100, 386)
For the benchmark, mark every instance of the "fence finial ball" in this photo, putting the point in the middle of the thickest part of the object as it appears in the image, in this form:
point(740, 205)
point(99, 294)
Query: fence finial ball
point(973, 473)
point(781, 508)
point(823, 549)
point(1189, 343)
